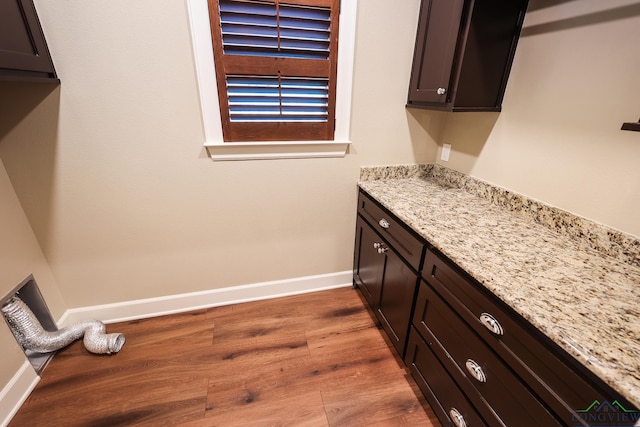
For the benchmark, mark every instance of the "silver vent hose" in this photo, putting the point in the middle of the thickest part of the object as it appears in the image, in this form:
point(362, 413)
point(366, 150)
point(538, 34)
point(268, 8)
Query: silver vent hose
point(32, 336)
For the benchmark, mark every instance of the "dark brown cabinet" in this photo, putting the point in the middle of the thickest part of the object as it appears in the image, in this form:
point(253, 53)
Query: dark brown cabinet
point(397, 289)
point(463, 54)
point(387, 281)
point(474, 368)
point(443, 394)
point(505, 369)
point(368, 263)
point(24, 55)
point(477, 361)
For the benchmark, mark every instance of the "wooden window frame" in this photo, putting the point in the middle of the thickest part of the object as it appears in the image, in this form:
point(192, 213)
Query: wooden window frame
point(217, 149)
point(276, 66)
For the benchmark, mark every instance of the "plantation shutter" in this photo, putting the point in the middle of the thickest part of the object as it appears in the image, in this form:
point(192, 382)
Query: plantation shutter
point(276, 65)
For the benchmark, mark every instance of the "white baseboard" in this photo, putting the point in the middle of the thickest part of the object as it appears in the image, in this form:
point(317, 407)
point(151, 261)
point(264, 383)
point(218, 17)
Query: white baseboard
point(151, 307)
point(16, 392)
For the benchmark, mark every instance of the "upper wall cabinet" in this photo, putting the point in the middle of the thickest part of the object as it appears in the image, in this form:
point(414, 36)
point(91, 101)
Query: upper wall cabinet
point(463, 54)
point(24, 55)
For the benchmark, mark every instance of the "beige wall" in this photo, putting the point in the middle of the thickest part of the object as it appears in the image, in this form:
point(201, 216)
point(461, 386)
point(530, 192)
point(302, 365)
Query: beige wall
point(558, 139)
point(121, 195)
point(20, 256)
point(110, 170)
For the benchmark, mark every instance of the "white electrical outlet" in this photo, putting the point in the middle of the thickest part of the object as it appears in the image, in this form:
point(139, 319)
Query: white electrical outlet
point(446, 151)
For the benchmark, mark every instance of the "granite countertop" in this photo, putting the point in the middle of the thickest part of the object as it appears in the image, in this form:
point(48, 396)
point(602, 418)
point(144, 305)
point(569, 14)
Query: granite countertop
point(583, 299)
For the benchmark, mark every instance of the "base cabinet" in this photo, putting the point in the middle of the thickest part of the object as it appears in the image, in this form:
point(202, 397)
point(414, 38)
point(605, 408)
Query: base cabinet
point(387, 281)
point(509, 372)
point(477, 361)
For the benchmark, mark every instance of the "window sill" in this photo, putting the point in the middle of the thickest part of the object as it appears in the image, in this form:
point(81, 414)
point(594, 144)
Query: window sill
point(276, 150)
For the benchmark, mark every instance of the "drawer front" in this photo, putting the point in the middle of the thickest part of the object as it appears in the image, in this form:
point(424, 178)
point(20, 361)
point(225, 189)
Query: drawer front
point(551, 373)
point(409, 246)
point(485, 378)
point(438, 387)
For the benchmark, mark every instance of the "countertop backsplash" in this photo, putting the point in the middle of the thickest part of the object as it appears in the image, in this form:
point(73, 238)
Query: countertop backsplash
point(590, 234)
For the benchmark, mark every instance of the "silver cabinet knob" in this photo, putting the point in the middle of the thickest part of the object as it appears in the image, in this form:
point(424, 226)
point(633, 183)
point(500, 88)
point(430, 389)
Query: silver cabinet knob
point(384, 223)
point(441, 91)
point(377, 245)
point(457, 418)
point(475, 370)
point(382, 250)
point(491, 324)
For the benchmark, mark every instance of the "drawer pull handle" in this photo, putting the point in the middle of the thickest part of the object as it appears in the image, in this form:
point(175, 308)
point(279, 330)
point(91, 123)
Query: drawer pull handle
point(457, 418)
point(476, 371)
point(384, 223)
point(382, 250)
point(377, 245)
point(491, 323)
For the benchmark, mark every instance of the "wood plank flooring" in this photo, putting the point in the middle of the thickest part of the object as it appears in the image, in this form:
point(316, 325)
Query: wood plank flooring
point(310, 360)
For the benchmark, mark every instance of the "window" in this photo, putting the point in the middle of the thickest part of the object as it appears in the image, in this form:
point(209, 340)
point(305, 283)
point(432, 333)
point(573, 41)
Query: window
point(276, 81)
point(275, 68)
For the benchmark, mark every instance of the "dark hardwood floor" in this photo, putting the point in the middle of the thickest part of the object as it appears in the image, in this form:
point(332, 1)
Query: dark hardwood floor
point(316, 359)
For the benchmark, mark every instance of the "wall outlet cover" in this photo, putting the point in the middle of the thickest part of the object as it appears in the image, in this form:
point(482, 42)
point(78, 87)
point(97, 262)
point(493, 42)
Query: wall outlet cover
point(446, 151)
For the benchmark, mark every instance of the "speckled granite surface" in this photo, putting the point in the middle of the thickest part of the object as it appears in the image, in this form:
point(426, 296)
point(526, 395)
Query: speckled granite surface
point(587, 233)
point(581, 297)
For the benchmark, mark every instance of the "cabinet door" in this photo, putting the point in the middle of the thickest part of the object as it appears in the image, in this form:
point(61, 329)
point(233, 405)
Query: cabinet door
point(396, 299)
point(436, 41)
point(23, 50)
point(368, 264)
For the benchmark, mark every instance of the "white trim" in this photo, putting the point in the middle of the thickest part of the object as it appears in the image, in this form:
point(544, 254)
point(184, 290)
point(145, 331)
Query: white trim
point(206, 73)
point(346, 60)
point(277, 150)
point(16, 392)
point(151, 307)
point(206, 77)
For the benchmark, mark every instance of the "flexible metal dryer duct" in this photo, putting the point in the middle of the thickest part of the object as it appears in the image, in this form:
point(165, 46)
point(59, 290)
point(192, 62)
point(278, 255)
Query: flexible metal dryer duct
point(30, 334)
